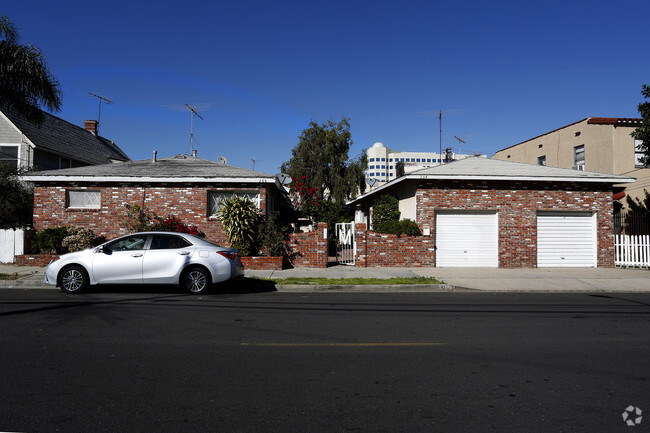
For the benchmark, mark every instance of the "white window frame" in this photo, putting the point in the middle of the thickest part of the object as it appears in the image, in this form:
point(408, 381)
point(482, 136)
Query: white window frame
point(4, 159)
point(579, 163)
point(251, 194)
point(84, 199)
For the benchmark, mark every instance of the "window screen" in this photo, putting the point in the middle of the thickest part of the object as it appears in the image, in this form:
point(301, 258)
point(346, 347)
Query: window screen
point(84, 199)
point(217, 198)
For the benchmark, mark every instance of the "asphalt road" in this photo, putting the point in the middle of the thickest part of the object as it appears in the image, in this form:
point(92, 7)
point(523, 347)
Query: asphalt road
point(360, 362)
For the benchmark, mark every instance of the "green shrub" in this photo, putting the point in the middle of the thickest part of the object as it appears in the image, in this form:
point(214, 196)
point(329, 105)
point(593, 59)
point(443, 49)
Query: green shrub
point(241, 218)
point(399, 228)
point(50, 241)
point(272, 236)
point(385, 209)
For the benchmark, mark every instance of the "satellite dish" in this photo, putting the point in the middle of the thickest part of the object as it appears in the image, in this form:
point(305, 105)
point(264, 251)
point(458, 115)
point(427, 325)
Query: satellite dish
point(284, 179)
point(371, 182)
point(222, 160)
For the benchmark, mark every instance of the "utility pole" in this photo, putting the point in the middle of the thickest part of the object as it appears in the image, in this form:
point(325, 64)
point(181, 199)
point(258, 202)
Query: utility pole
point(99, 115)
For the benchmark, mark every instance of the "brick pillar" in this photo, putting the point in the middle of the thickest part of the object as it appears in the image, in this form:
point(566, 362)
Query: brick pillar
point(361, 239)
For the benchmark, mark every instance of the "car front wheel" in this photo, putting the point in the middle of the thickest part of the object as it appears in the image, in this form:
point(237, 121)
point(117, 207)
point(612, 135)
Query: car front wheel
point(73, 279)
point(196, 280)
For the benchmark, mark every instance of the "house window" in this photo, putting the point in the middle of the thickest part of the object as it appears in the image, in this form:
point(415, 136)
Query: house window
point(383, 159)
point(541, 160)
point(372, 159)
point(9, 155)
point(216, 199)
point(418, 160)
point(428, 159)
point(372, 167)
point(579, 157)
point(638, 154)
point(83, 199)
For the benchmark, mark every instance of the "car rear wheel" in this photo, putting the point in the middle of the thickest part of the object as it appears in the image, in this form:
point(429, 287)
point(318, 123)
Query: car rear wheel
point(196, 280)
point(73, 279)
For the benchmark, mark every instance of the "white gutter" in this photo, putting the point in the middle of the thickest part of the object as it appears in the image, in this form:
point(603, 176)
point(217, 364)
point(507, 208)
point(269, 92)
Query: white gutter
point(114, 179)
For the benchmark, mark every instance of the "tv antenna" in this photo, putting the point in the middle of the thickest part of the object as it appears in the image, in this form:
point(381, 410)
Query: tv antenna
point(439, 114)
point(254, 161)
point(99, 115)
point(193, 113)
point(459, 142)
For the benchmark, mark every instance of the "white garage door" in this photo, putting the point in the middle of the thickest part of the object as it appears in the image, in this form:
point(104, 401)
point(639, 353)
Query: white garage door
point(566, 239)
point(467, 239)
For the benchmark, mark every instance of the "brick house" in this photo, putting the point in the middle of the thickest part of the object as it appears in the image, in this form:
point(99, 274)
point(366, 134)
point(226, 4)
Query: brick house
point(188, 187)
point(491, 213)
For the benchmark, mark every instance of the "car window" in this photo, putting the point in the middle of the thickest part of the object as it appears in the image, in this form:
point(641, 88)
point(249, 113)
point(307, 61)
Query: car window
point(132, 243)
point(168, 242)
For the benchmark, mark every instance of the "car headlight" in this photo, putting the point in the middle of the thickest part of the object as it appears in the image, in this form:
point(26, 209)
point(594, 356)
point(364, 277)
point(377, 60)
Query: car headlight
point(54, 260)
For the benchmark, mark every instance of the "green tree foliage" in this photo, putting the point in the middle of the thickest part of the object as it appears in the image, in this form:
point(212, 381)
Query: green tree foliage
point(241, 220)
point(323, 175)
point(25, 80)
point(385, 218)
point(16, 198)
point(643, 131)
point(385, 209)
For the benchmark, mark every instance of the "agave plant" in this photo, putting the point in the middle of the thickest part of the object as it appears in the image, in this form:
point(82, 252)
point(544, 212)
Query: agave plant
point(240, 219)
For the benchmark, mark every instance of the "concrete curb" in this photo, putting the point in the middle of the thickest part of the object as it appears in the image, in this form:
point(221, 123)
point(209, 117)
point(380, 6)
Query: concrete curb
point(389, 288)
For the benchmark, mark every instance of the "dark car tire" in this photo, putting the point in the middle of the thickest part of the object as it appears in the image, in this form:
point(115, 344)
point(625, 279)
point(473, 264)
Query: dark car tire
point(73, 279)
point(196, 280)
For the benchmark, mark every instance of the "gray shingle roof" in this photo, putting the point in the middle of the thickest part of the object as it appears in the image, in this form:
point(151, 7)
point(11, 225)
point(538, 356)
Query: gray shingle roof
point(176, 167)
point(63, 138)
point(486, 167)
point(478, 168)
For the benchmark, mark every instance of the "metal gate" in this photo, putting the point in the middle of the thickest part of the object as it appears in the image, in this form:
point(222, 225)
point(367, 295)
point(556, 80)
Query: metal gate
point(346, 247)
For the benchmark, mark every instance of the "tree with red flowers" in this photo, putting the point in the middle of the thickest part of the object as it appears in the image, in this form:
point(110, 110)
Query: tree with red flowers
point(323, 176)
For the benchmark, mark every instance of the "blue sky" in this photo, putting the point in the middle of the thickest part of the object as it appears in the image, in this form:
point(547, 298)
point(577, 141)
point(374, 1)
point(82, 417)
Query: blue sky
point(500, 71)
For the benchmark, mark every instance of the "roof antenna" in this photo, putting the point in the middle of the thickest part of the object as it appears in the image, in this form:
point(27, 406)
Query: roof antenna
point(99, 115)
point(193, 113)
point(459, 142)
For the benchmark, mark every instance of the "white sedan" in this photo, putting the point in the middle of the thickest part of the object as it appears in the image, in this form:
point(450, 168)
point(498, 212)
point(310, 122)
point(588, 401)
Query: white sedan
point(147, 258)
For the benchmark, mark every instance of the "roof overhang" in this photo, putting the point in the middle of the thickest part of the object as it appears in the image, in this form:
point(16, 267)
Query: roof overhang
point(612, 180)
point(131, 179)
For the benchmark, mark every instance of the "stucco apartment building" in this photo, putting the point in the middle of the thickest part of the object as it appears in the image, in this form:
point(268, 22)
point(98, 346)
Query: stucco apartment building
point(595, 144)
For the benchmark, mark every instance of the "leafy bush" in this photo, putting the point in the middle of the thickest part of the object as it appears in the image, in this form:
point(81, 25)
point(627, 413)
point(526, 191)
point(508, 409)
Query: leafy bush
point(241, 218)
point(402, 227)
point(80, 238)
point(385, 209)
point(50, 241)
point(139, 219)
point(273, 236)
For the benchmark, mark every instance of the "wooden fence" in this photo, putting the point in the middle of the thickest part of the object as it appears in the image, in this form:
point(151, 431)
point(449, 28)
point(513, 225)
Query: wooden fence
point(12, 243)
point(633, 251)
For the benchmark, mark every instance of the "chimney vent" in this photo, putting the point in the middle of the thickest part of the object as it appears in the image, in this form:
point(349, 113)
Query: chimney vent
point(91, 126)
point(194, 153)
point(155, 154)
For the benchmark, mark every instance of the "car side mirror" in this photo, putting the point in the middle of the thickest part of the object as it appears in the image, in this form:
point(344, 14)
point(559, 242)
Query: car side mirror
point(99, 249)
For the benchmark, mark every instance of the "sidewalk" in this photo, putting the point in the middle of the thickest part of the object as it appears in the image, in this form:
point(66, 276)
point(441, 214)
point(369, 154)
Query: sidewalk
point(484, 279)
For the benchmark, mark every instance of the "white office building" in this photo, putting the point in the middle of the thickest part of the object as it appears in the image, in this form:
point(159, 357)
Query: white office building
point(383, 162)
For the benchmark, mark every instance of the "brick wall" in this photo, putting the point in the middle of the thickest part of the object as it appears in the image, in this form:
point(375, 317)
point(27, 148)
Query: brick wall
point(386, 250)
point(517, 204)
point(309, 249)
point(188, 202)
point(262, 263)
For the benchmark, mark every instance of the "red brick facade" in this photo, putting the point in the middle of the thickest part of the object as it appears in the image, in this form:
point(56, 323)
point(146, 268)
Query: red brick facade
point(385, 250)
point(187, 202)
point(309, 249)
point(517, 204)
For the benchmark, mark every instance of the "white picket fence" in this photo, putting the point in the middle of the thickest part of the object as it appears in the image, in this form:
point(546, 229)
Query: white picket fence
point(632, 251)
point(12, 243)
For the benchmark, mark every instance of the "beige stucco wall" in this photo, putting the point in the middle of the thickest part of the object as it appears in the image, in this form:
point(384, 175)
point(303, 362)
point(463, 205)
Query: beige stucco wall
point(608, 149)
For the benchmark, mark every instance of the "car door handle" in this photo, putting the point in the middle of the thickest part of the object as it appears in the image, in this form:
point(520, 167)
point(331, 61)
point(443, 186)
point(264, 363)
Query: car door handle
point(184, 253)
point(137, 255)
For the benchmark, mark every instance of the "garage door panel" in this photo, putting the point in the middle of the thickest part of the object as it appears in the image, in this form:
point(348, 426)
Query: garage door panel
point(466, 239)
point(566, 239)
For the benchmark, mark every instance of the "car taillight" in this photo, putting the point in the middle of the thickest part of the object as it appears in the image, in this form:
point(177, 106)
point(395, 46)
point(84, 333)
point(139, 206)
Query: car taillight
point(228, 254)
